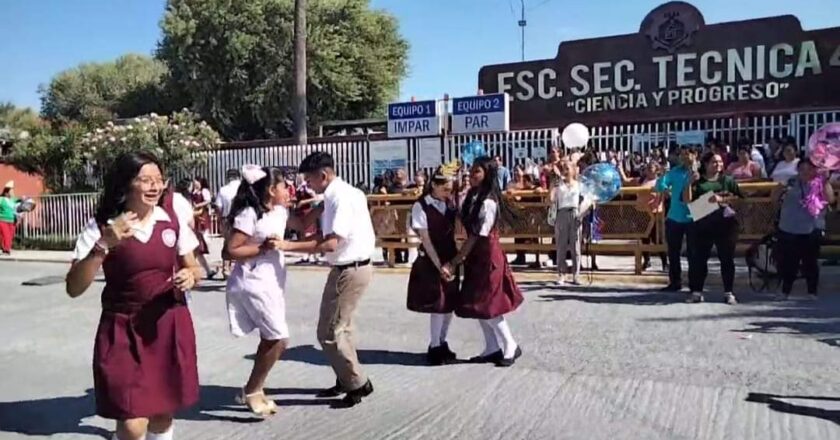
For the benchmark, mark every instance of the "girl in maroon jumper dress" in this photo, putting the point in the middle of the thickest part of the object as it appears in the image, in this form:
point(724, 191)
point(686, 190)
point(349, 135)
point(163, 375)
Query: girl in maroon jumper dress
point(144, 357)
point(201, 199)
point(430, 290)
point(489, 290)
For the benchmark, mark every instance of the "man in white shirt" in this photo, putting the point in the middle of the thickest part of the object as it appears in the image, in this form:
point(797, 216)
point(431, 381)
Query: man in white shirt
point(224, 200)
point(348, 241)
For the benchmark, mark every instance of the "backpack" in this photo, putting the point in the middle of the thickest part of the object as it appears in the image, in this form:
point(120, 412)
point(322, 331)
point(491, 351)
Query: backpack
point(762, 259)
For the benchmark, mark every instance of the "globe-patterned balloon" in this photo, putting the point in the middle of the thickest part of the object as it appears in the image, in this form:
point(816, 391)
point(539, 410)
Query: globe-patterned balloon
point(600, 182)
point(25, 205)
point(472, 151)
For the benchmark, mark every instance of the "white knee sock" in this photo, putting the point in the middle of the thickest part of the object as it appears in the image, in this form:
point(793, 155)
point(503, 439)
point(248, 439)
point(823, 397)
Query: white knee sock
point(114, 437)
point(444, 330)
point(505, 337)
point(167, 435)
point(435, 326)
point(491, 343)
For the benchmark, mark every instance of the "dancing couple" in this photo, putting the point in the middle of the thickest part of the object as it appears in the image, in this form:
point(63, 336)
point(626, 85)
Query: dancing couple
point(488, 291)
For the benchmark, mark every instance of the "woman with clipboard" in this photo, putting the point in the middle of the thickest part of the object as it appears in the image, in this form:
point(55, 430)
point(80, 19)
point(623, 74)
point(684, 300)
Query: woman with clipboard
point(712, 227)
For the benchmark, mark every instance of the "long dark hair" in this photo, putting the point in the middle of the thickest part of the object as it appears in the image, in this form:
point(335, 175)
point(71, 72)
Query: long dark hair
point(489, 189)
point(117, 184)
point(255, 195)
point(184, 187)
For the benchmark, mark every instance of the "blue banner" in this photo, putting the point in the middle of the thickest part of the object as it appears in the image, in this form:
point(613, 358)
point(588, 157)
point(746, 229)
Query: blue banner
point(412, 110)
point(479, 104)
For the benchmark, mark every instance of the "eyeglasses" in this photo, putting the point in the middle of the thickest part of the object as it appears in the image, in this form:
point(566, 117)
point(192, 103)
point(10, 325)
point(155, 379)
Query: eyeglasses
point(150, 181)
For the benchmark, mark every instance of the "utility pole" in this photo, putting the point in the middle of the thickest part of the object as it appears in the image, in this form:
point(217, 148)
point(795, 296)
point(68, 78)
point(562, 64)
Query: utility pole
point(522, 24)
point(300, 72)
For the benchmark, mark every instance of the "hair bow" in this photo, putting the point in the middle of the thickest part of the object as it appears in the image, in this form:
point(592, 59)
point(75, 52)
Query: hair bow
point(252, 173)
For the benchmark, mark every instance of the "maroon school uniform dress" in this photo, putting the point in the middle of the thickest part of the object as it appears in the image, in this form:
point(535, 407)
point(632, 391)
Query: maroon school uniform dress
point(202, 223)
point(427, 291)
point(144, 358)
point(489, 289)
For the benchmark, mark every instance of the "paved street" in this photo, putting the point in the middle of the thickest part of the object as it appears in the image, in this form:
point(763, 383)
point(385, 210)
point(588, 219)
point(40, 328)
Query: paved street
point(599, 363)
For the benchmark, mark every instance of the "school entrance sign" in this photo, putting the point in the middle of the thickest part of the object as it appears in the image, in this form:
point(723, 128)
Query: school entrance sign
point(414, 119)
point(675, 67)
point(481, 114)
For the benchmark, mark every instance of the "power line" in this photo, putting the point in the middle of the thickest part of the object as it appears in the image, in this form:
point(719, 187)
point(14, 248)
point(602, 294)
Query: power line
point(512, 10)
point(540, 4)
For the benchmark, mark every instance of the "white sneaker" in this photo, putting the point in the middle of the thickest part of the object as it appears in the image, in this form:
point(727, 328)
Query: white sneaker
point(561, 282)
point(730, 299)
point(694, 298)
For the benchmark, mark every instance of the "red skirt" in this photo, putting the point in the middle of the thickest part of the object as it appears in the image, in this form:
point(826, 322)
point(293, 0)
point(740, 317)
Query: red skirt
point(489, 289)
point(427, 291)
point(144, 362)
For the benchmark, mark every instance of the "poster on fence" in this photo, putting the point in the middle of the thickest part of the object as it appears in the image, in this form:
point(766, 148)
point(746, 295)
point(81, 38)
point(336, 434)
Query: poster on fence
point(520, 152)
point(428, 153)
point(693, 137)
point(387, 155)
point(539, 152)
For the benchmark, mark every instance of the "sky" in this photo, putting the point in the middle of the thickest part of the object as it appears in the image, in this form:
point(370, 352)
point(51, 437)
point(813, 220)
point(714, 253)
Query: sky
point(450, 39)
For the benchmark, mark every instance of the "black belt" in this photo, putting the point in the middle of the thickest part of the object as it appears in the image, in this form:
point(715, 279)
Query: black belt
point(354, 265)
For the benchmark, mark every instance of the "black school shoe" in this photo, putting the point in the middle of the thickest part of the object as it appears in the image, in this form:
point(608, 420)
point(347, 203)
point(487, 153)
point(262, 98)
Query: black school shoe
point(489, 359)
point(354, 397)
point(504, 362)
point(440, 355)
point(334, 391)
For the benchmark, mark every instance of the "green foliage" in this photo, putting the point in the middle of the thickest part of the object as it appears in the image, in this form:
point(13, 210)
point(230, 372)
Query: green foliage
point(132, 85)
point(175, 140)
point(235, 62)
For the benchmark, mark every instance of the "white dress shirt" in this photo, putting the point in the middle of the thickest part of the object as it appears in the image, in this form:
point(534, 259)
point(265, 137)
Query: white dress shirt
point(418, 214)
point(187, 241)
point(225, 197)
point(346, 215)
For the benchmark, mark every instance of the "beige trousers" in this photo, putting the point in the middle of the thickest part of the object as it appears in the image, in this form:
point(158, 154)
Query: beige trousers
point(342, 292)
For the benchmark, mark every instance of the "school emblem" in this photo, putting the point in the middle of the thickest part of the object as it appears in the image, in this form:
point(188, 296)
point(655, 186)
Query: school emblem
point(169, 237)
point(672, 26)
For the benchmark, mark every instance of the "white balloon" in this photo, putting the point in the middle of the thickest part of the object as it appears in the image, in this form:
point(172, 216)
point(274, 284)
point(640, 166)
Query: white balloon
point(575, 135)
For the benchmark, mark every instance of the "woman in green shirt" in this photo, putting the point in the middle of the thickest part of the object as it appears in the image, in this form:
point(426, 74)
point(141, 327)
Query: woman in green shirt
point(718, 229)
point(8, 217)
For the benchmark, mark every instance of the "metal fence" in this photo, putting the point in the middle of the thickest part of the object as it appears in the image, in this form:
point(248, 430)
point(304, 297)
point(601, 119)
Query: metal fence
point(58, 218)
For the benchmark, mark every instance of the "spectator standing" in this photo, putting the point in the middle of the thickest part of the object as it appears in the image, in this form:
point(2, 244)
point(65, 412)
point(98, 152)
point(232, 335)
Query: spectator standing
point(744, 168)
point(800, 231)
point(8, 217)
point(786, 168)
point(678, 223)
point(504, 173)
point(718, 229)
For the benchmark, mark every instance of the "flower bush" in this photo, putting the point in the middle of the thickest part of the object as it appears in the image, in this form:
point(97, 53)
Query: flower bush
point(176, 140)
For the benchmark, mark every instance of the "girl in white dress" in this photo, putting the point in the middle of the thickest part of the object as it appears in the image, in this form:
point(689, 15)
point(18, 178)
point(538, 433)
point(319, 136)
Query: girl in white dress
point(256, 285)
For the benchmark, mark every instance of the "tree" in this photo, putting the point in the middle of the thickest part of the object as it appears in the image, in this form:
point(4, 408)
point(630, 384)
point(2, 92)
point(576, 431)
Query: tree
point(234, 61)
point(93, 93)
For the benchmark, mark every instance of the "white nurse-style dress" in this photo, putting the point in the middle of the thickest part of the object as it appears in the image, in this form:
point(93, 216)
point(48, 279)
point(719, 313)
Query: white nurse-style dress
point(255, 288)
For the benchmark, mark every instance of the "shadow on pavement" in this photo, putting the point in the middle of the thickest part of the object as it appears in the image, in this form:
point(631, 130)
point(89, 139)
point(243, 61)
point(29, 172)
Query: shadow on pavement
point(311, 355)
point(64, 415)
point(639, 299)
point(776, 403)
